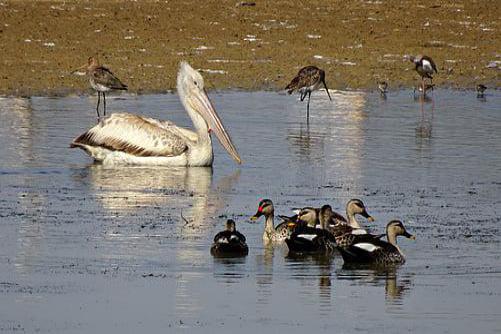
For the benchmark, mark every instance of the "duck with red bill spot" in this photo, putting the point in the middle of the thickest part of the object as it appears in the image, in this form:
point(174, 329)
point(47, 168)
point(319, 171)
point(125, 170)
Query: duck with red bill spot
point(271, 233)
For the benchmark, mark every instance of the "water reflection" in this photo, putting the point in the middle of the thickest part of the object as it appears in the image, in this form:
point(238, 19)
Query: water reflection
point(264, 275)
point(395, 289)
point(229, 270)
point(16, 132)
point(424, 128)
point(313, 270)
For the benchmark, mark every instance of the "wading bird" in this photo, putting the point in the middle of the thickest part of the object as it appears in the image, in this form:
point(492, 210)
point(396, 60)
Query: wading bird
point(480, 90)
point(308, 79)
point(101, 80)
point(130, 139)
point(425, 66)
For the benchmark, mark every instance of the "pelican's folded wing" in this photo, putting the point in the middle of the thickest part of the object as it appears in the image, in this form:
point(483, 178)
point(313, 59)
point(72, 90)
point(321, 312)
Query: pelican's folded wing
point(135, 135)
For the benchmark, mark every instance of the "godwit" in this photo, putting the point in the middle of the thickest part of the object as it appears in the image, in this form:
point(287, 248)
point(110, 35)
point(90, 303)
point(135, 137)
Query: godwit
point(480, 90)
point(102, 80)
point(126, 138)
point(307, 80)
point(425, 66)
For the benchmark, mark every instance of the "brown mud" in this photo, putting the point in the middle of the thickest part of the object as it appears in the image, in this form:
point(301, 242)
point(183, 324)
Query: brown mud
point(253, 47)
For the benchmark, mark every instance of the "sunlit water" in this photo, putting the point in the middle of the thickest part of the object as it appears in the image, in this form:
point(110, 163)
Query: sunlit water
point(88, 249)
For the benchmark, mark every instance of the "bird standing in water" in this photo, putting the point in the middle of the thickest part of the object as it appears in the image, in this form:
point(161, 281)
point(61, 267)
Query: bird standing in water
point(383, 88)
point(308, 79)
point(425, 66)
point(480, 90)
point(101, 80)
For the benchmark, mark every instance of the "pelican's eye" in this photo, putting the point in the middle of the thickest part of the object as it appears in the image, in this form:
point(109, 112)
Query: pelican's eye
point(196, 83)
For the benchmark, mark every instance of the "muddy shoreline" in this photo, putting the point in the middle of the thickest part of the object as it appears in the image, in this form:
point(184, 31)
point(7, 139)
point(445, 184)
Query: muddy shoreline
point(246, 47)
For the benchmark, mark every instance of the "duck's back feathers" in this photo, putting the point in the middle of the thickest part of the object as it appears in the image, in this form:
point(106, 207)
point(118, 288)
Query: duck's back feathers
point(229, 244)
point(369, 249)
point(307, 239)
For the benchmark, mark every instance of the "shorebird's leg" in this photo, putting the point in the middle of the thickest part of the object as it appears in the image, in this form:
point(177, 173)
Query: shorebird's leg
point(98, 101)
point(303, 95)
point(104, 96)
point(308, 106)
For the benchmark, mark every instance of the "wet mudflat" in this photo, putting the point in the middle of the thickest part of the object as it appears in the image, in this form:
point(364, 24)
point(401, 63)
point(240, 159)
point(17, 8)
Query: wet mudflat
point(85, 248)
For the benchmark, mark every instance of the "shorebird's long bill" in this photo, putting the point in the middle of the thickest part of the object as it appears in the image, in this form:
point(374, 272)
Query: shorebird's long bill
point(204, 106)
point(83, 67)
point(327, 89)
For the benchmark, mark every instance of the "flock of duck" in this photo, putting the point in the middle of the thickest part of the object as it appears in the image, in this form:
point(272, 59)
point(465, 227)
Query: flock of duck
point(319, 231)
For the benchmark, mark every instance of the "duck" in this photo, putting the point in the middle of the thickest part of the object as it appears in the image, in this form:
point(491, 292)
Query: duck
point(229, 243)
point(370, 249)
point(312, 240)
point(354, 207)
point(424, 66)
point(307, 80)
point(272, 233)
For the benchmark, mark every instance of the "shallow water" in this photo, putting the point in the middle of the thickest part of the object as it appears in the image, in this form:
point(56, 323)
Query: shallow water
point(84, 248)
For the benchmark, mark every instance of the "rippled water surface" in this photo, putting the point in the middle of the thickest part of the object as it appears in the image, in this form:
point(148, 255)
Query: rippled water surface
point(89, 249)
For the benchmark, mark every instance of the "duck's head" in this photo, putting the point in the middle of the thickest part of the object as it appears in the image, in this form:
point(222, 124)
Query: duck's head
point(396, 228)
point(357, 207)
point(191, 90)
point(230, 225)
point(308, 215)
point(265, 208)
point(325, 216)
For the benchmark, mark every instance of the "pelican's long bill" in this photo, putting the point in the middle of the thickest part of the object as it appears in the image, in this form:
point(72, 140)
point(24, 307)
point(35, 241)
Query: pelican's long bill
point(204, 106)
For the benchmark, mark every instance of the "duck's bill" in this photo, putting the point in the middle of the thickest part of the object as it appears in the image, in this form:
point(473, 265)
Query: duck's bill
point(408, 235)
point(204, 106)
point(368, 216)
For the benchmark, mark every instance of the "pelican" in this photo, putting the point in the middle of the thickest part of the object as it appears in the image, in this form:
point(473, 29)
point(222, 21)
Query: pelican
point(128, 139)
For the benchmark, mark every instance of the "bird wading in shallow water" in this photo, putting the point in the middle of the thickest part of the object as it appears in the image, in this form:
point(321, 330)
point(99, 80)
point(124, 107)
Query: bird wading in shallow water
point(308, 79)
point(480, 90)
point(424, 66)
point(382, 86)
point(101, 80)
point(128, 139)
point(229, 243)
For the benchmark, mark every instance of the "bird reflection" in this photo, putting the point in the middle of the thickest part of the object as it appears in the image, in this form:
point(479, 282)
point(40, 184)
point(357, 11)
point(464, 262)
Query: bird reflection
point(425, 126)
point(395, 288)
point(264, 275)
point(302, 265)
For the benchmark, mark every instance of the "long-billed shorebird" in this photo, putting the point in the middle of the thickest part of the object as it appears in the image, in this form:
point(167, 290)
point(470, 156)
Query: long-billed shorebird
point(480, 90)
point(383, 87)
point(101, 79)
point(307, 80)
point(130, 139)
point(425, 66)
